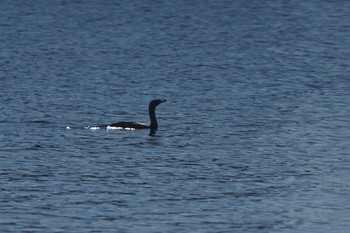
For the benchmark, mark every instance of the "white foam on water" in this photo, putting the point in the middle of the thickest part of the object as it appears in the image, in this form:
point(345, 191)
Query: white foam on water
point(119, 128)
point(93, 128)
point(113, 128)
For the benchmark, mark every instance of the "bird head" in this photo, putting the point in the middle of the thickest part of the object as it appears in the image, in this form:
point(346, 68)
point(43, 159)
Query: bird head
point(154, 103)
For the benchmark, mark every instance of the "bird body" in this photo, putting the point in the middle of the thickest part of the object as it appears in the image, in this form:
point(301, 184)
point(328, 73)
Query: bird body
point(130, 124)
point(153, 126)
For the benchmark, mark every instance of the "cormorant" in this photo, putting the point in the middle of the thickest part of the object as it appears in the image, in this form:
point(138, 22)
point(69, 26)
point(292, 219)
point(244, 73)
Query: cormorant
point(153, 126)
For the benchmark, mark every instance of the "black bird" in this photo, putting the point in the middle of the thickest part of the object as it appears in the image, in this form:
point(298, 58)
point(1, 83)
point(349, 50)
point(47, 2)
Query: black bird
point(153, 126)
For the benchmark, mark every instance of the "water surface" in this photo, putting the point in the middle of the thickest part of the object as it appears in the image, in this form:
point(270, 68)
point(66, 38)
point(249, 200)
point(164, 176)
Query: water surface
point(254, 136)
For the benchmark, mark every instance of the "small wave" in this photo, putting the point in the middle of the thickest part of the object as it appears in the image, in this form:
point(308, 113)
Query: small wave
point(119, 128)
point(93, 128)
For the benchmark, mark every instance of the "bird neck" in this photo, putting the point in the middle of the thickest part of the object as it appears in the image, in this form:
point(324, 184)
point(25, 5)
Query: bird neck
point(152, 115)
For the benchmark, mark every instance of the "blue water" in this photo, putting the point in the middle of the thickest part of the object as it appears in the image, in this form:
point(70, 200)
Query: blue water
point(254, 137)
